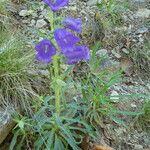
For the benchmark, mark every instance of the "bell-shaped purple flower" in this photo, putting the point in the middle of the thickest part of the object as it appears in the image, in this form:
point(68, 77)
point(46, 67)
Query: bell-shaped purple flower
point(77, 54)
point(56, 5)
point(65, 39)
point(45, 51)
point(74, 24)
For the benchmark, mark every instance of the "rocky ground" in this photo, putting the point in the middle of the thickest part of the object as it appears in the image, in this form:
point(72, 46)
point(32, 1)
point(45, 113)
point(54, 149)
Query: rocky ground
point(117, 43)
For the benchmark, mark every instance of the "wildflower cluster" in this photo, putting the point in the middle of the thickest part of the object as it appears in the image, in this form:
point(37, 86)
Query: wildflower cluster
point(65, 39)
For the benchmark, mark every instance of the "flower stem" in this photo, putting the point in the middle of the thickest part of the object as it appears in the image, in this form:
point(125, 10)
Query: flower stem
point(57, 87)
point(56, 69)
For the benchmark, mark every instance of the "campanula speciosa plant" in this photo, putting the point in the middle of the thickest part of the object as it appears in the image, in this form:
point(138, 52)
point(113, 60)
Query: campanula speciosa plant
point(65, 43)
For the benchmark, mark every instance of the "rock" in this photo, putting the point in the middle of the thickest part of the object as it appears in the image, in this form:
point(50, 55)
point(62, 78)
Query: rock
point(143, 13)
point(125, 51)
point(73, 8)
point(25, 13)
point(45, 14)
point(137, 147)
point(25, 21)
point(44, 72)
point(41, 16)
point(141, 39)
point(148, 86)
point(106, 61)
point(6, 125)
point(119, 131)
point(121, 29)
point(114, 96)
point(41, 23)
point(42, 7)
point(142, 30)
point(109, 64)
point(102, 53)
point(32, 23)
point(139, 1)
point(34, 15)
point(93, 2)
point(116, 54)
point(133, 105)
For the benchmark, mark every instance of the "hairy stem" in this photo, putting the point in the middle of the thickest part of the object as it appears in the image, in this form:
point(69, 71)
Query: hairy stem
point(56, 70)
point(57, 87)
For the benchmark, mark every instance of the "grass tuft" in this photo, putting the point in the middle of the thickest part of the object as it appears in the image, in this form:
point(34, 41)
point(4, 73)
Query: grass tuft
point(15, 60)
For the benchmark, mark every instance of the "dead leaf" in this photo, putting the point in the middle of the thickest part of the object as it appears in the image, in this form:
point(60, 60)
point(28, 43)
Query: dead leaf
point(126, 65)
point(85, 143)
point(102, 147)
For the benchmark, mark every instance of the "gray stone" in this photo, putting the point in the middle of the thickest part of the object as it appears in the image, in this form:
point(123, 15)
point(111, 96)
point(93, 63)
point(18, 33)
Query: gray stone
point(32, 23)
point(102, 53)
point(6, 125)
point(125, 51)
point(25, 13)
point(45, 14)
point(34, 15)
point(114, 96)
point(116, 54)
point(133, 105)
point(139, 1)
point(142, 30)
point(137, 147)
point(25, 21)
point(72, 8)
point(42, 7)
point(93, 2)
point(148, 86)
point(44, 73)
point(109, 64)
point(41, 16)
point(143, 13)
point(41, 23)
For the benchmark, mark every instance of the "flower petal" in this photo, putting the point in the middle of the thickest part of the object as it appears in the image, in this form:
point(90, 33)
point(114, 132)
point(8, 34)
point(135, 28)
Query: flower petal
point(74, 24)
point(65, 39)
point(79, 53)
point(56, 5)
point(45, 51)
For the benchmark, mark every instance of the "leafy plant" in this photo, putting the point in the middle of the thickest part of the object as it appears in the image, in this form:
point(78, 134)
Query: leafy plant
point(47, 130)
point(61, 133)
point(141, 58)
point(112, 9)
point(98, 104)
point(22, 132)
point(144, 119)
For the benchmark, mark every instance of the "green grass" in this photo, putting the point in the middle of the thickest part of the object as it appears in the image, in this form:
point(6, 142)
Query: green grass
point(141, 59)
point(110, 11)
point(15, 60)
point(3, 4)
point(144, 119)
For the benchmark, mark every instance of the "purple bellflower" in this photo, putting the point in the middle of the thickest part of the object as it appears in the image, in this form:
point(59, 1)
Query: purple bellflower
point(73, 24)
point(45, 51)
point(56, 5)
point(65, 40)
point(67, 43)
point(78, 53)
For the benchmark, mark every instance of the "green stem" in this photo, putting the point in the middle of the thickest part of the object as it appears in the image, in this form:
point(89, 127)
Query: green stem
point(56, 69)
point(57, 87)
